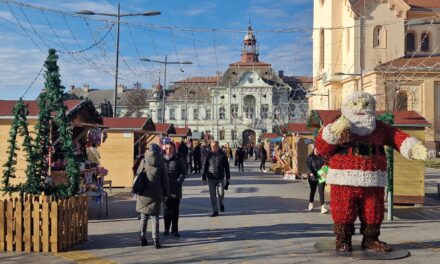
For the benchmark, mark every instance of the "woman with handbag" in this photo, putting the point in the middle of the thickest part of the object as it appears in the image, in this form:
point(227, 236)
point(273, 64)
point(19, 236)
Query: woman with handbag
point(153, 191)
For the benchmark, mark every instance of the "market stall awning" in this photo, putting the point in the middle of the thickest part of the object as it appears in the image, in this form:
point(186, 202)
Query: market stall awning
point(165, 129)
point(197, 135)
point(182, 132)
point(6, 107)
point(296, 128)
point(138, 124)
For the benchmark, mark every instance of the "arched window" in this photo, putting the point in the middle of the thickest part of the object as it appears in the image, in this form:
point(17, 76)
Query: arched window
point(321, 49)
point(425, 42)
point(249, 106)
point(401, 103)
point(410, 42)
point(379, 37)
point(221, 113)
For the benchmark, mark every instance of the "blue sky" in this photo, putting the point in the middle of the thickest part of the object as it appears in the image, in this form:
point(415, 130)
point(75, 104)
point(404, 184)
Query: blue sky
point(183, 31)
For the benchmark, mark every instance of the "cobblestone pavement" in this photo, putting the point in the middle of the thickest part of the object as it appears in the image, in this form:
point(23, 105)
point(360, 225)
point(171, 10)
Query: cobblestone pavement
point(265, 221)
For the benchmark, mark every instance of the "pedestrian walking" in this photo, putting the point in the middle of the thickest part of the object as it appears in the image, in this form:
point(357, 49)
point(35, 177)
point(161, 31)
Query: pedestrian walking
point(154, 191)
point(182, 149)
point(214, 171)
point(315, 163)
point(189, 157)
point(176, 171)
point(205, 149)
point(263, 158)
point(197, 158)
point(240, 157)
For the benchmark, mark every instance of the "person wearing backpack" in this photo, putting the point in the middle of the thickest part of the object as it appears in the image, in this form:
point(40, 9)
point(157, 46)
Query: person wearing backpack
point(176, 171)
point(154, 191)
point(214, 170)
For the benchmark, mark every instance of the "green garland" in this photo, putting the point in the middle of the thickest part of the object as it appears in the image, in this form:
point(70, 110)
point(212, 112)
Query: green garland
point(19, 127)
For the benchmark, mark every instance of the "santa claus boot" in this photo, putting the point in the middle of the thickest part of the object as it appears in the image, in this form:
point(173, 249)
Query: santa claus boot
point(371, 238)
point(343, 234)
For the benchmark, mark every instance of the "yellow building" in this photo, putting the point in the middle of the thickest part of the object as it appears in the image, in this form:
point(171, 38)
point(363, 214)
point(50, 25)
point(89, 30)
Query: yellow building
point(389, 48)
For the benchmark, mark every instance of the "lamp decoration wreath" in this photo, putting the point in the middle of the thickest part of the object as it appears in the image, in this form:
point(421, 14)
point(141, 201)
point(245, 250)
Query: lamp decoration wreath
point(354, 145)
point(52, 115)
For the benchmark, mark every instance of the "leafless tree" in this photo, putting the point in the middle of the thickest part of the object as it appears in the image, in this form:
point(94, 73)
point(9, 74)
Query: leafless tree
point(136, 100)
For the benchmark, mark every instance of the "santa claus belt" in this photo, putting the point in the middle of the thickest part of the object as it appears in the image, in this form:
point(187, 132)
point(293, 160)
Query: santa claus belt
point(361, 150)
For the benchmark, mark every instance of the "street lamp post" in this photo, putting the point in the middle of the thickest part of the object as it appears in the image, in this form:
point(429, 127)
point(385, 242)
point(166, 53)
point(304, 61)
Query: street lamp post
point(353, 74)
point(118, 16)
point(165, 63)
point(308, 95)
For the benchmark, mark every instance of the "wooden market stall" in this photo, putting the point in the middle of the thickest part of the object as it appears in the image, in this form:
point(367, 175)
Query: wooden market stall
point(409, 175)
point(182, 133)
point(6, 118)
point(299, 139)
point(126, 139)
point(162, 130)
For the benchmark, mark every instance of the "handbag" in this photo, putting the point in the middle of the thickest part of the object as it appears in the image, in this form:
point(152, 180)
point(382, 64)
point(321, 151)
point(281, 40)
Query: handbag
point(140, 183)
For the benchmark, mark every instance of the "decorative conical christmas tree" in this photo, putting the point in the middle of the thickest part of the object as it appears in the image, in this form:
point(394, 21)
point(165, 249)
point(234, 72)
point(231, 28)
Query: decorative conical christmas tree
point(53, 114)
point(19, 127)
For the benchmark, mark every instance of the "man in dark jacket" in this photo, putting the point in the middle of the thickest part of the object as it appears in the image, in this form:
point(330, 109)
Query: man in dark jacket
point(205, 149)
point(240, 157)
point(183, 150)
point(197, 158)
point(263, 157)
point(176, 171)
point(215, 169)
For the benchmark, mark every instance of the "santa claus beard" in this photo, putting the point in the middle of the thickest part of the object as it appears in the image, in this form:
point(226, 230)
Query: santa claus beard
point(362, 122)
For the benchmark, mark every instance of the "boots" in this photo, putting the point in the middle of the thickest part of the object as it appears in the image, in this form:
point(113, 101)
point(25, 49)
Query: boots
point(143, 242)
point(343, 234)
point(371, 238)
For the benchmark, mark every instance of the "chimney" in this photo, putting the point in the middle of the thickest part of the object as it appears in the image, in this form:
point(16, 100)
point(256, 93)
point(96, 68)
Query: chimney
point(281, 74)
point(86, 88)
point(120, 89)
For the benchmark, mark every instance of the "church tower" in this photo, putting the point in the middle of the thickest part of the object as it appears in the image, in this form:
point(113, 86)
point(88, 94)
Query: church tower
point(249, 53)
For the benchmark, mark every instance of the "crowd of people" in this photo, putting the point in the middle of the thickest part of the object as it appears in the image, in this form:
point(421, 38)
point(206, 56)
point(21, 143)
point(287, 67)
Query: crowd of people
point(165, 168)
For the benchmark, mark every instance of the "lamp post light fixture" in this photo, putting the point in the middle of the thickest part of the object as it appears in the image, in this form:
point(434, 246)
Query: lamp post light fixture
point(309, 94)
point(353, 75)
point(118, 16)
point(165, 63)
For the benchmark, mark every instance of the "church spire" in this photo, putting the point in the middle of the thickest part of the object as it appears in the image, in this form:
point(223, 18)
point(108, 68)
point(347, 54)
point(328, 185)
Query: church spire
point(249, 52)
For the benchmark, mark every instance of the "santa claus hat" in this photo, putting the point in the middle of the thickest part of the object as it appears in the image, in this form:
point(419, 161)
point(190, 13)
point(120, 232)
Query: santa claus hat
point(357, 95)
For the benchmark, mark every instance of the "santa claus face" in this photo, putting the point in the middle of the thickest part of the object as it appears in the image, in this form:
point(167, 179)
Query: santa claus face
point(359, 108)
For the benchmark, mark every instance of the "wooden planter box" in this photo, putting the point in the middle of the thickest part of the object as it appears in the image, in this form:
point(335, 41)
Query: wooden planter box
point(42, 224)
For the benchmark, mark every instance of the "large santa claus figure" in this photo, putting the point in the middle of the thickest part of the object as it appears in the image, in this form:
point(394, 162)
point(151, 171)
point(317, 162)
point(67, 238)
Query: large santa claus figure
point(354, 146)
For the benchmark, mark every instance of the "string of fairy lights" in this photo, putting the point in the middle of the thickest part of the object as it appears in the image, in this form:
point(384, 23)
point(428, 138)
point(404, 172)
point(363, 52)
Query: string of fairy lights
point(96, 52)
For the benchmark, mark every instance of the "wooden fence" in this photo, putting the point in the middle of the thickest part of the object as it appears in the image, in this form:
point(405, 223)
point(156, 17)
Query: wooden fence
point(42, 224)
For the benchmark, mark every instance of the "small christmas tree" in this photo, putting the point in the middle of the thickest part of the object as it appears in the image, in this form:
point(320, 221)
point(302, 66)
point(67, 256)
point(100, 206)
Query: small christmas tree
point(53, 114)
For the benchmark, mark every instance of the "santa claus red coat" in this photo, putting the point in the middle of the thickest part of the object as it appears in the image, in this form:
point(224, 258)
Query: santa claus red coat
point(358, 171)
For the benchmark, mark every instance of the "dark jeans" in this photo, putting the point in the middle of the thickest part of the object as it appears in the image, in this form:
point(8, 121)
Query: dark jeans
point(321, 187)
point(171, 214)
point(197, 165)
point(190, 166)
point(263, 164)
point(240, 165)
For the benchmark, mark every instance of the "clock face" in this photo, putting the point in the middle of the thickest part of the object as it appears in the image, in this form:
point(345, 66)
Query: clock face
point(250, 79)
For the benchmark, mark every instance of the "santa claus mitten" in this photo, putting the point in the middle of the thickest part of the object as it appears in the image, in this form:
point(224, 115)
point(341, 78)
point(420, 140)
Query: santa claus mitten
point(371, 238)
point(419, 152)
point(337, 132)
point(343, 234)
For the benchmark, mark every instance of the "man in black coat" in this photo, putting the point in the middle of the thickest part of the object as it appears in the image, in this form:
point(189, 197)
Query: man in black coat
point(197, 158)
point(205, 149)
point(263, 157)
point(175, 169)
point(183, 150)
point(215, 169)
point(240, 155)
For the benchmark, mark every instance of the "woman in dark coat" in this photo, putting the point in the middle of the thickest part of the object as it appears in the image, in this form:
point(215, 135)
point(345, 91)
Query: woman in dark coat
point(263, 157)
point(176, 171)
point(149, 201)
point(315, 163)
